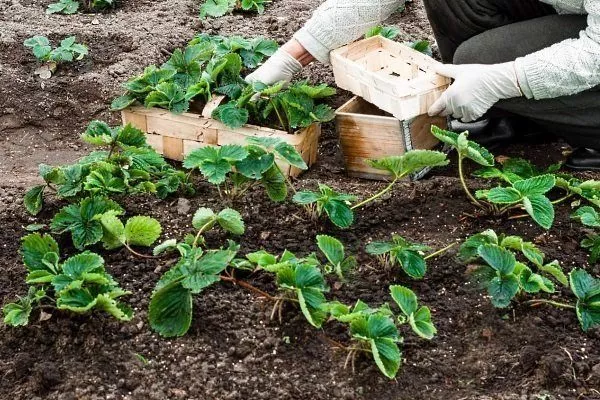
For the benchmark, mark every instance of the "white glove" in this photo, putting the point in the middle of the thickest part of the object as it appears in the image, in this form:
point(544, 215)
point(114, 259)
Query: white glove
point(280, 67)
point(476, 88)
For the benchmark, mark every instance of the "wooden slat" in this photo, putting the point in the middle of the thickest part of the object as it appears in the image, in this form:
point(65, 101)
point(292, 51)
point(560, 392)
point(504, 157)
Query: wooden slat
point(364, 136)
point(396, 78)
point(175, 136)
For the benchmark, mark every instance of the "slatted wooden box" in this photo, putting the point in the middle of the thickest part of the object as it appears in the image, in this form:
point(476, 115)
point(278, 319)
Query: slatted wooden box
point(366, 132)
point(175, 136)
point(394, 77)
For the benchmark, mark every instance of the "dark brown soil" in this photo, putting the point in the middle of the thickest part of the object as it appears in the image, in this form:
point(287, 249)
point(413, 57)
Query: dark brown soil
point(232, 350)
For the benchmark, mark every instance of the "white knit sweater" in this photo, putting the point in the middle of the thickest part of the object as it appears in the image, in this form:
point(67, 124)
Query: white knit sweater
point(565, 68)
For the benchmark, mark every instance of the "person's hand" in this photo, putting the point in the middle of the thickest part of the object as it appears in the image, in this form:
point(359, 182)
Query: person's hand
point(280, 67)
point(476, 88)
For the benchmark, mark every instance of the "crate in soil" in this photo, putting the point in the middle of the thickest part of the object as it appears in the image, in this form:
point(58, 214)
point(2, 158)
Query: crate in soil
point(175, 136)
point(394, 77)
point(366, 132)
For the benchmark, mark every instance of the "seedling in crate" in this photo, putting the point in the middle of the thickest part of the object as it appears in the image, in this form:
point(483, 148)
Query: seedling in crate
point(79, 284)
point(197, 269)
point(375, 331)
point(128, 166)
point(284, 108)
point(333, 250)
point(235, 169)
point(253, 51)
point(528, 192)
point(388, 32)
point(409, 256)
point(338, 206)
point(218, 8)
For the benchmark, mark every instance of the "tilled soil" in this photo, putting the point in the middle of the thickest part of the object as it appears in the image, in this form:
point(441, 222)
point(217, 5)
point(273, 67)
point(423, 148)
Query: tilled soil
point(233, 350)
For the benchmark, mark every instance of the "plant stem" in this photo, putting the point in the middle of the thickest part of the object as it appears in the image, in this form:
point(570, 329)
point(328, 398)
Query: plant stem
point(283, 125)
point(201, 231)
point(563, 198)
point(135, 253)
point(248, 286)
point(537, 302)
point(440, 251)
point(376, 195)
point(464, 183)
point(286, 177)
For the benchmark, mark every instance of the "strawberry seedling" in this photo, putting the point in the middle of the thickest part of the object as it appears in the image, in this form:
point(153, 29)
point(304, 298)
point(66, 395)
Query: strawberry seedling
point(333, 250)
point(218, 8)
point(79, 284)
point(338, 206)
point(589, 217)
point(375, 331)
point(170, 311)
point(67, 51)
point(63, 7)
point(527, 189)
point(235, 169)
point(128, 166)
point(409, 256)
point(497, 268)
point(299, 280)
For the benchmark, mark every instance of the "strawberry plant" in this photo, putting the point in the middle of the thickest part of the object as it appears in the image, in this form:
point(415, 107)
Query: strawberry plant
point(285, 108)
point(63, 7)
point(71, 6)
point(409, 256)
point(497, 268)
point(526, 190)
point(338, 206)
point(218, 8)
point(375, 331)
point(79, 284)
point(252, 51)
point(67, 51)
point(236, 169)
point(299, 280)
point(589, 217)
point(388, 32)
point(333, 250)
point(170, 310)
point(127, 166)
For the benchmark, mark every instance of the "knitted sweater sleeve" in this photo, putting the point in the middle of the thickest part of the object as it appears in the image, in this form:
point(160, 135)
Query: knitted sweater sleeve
point(338, 22)
point(568, 67)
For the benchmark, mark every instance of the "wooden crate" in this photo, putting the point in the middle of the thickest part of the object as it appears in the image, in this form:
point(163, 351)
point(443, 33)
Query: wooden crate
point(390, 75)
point(176, 135)
point(366, 132)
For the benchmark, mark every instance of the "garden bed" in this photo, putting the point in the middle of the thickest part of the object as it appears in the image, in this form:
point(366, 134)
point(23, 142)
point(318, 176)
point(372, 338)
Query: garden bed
point(232, 350)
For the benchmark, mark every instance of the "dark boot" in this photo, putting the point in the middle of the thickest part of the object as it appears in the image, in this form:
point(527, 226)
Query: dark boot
point(488, 132)
point(584, 158)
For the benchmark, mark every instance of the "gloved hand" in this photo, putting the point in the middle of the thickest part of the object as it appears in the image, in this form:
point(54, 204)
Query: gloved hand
point(476, 88)
point(281, 66)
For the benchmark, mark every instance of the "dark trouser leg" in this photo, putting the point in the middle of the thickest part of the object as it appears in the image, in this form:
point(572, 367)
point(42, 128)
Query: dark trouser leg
point(576, 118)
point(455, 21)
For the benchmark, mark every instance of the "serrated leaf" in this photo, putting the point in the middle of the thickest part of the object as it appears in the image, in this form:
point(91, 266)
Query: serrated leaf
point(500, 195)
point(114, 231)
point(275, 184)
point(34, 199)
point(142, 231)
point(405, 298)
point(170, 311)
point(540, 208)
point(537, 185)
point(34, 249)
point(204, 218)
point(410, 162)
point(332, 248)
point(498, 258)
point(412, 263)
point(231, 115)
point(231, 221)
point(588, 216)
point(503, 289)
point(420, 322)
